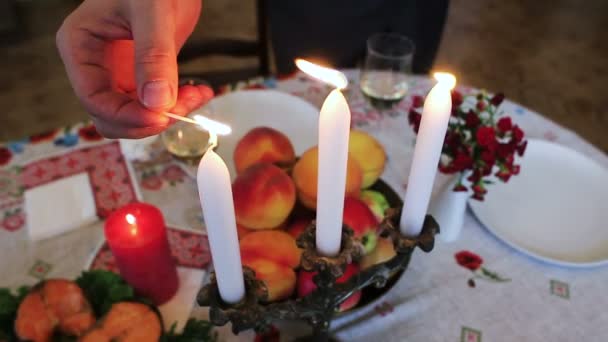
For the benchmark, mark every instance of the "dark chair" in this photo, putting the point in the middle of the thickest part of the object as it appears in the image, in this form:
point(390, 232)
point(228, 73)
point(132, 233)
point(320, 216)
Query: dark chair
point(338, 37)
point(234, 48)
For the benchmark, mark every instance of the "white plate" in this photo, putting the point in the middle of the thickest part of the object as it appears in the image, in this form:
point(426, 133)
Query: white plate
point(244, 110)
point(555, 210)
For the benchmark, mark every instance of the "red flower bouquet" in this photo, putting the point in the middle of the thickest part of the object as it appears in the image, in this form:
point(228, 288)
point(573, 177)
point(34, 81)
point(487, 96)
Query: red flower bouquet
point(480, 141)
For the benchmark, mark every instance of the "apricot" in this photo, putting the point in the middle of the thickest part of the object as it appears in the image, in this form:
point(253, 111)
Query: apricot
point(263, 145)
point(126, 322)
point(306, 178)
point(264, 196)
point(384, 251)
point(53, 304)
point(280, 280)
point(369, 154)
point(274, 245)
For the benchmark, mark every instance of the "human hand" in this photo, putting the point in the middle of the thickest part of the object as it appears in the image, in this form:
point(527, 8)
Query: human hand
point(121, 58)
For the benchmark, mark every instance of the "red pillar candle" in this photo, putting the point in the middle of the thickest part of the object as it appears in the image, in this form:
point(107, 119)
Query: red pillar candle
point(137, 236)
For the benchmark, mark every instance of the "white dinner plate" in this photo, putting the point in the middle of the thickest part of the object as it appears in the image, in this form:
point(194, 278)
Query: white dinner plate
point(244, 110)
point(555, 210)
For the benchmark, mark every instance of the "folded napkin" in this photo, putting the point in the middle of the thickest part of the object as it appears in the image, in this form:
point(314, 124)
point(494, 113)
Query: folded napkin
point(60, 206)
point(178, 309)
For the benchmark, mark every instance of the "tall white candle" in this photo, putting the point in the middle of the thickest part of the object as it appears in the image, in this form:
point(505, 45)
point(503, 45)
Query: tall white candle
point(215, 192)
point(334, 129)
point(431, 134)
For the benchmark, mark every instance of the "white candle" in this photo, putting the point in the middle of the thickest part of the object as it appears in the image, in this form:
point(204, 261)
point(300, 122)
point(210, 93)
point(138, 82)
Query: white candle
point(334, 129)
point(431, 134)
point(215, 193)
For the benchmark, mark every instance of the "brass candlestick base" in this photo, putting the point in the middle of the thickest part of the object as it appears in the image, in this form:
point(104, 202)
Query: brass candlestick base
point(319, 307)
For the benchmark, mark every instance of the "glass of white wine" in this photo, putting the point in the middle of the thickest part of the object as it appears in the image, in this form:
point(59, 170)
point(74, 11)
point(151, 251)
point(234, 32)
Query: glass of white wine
point(385, 70)
point(185, 140)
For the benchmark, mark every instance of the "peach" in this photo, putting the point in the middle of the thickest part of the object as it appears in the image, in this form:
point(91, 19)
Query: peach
point(362, 221)
point(305, 177)
point(384, 251)
point(263, 145)
point(273, 245)
point(280, 280)
point(369, 154)
point(306, 285)
point(242, 231)
point(264, 196)
point(376, 202)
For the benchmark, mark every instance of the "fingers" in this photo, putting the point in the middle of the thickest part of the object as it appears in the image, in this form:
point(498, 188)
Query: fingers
point(111, 131)
point(153, 28)
point(190, 98)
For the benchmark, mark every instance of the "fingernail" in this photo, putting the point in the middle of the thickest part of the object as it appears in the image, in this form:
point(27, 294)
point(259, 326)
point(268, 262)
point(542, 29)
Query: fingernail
point(157, 94)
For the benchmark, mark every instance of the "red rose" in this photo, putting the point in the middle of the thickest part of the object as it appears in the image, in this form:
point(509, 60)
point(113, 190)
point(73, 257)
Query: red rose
point(515, 169)
point(521, 148)
point(486, 136)
point(36, 138)
point(446, 168)
point(417, 101)
point(89, 133)
point(468, 260)
point(5, 155)
point(471, 119)
point(481, 105)
point(474, 177)
point(477, 196)
point(504, 150)
point(504, 124)
point(460, 188)
point(479, 189)
point(488, 158)
point(497, 99)
point(518, 134)
point(456, 98)
point(462, 162)
point(414, 119)
point(503, 175)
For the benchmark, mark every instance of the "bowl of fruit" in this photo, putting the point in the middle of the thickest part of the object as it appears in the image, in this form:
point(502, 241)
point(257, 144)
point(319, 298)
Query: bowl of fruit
point(275, 193)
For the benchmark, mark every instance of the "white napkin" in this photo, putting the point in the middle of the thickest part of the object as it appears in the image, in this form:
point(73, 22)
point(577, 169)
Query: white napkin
point(138, 149)
point(178, 309)
point(60, 206)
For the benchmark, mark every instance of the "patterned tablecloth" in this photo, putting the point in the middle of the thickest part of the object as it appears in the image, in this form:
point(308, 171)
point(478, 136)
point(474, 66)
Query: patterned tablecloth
point(432, 302)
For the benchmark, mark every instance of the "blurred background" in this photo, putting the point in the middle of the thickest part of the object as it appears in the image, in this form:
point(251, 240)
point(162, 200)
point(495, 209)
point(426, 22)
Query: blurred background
point(549, 55)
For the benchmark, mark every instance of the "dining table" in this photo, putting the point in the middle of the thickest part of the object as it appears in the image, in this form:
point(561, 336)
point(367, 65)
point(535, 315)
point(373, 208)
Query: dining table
point(438, 298)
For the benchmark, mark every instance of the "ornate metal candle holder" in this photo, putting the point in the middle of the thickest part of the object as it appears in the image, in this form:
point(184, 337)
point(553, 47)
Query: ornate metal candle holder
point(319, 307)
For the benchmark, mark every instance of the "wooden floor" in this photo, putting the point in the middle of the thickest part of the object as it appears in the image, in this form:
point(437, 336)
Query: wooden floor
point(549, 55)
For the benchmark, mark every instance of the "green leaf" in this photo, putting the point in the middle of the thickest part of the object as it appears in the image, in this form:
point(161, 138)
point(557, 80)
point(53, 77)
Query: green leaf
point(104, 289)
point(493, 276)
point(9, 303)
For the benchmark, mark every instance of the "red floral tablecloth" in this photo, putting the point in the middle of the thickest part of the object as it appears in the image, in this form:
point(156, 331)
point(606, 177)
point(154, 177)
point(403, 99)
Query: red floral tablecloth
point(475, 289)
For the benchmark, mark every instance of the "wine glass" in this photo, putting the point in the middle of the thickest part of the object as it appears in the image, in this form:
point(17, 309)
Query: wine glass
point(384, 73)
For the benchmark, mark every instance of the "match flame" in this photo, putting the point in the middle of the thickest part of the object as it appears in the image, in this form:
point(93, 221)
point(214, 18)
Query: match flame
point(323, 74)
point(212, 126)
point(446, 79)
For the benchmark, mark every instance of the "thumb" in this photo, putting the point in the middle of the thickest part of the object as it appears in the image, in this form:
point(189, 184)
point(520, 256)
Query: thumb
point(153, 29)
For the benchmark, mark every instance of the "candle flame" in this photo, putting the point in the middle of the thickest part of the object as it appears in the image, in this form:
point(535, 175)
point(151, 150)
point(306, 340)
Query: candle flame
point(323, 74)
point(130, 219)
point(446, 79)
point(212, 126)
